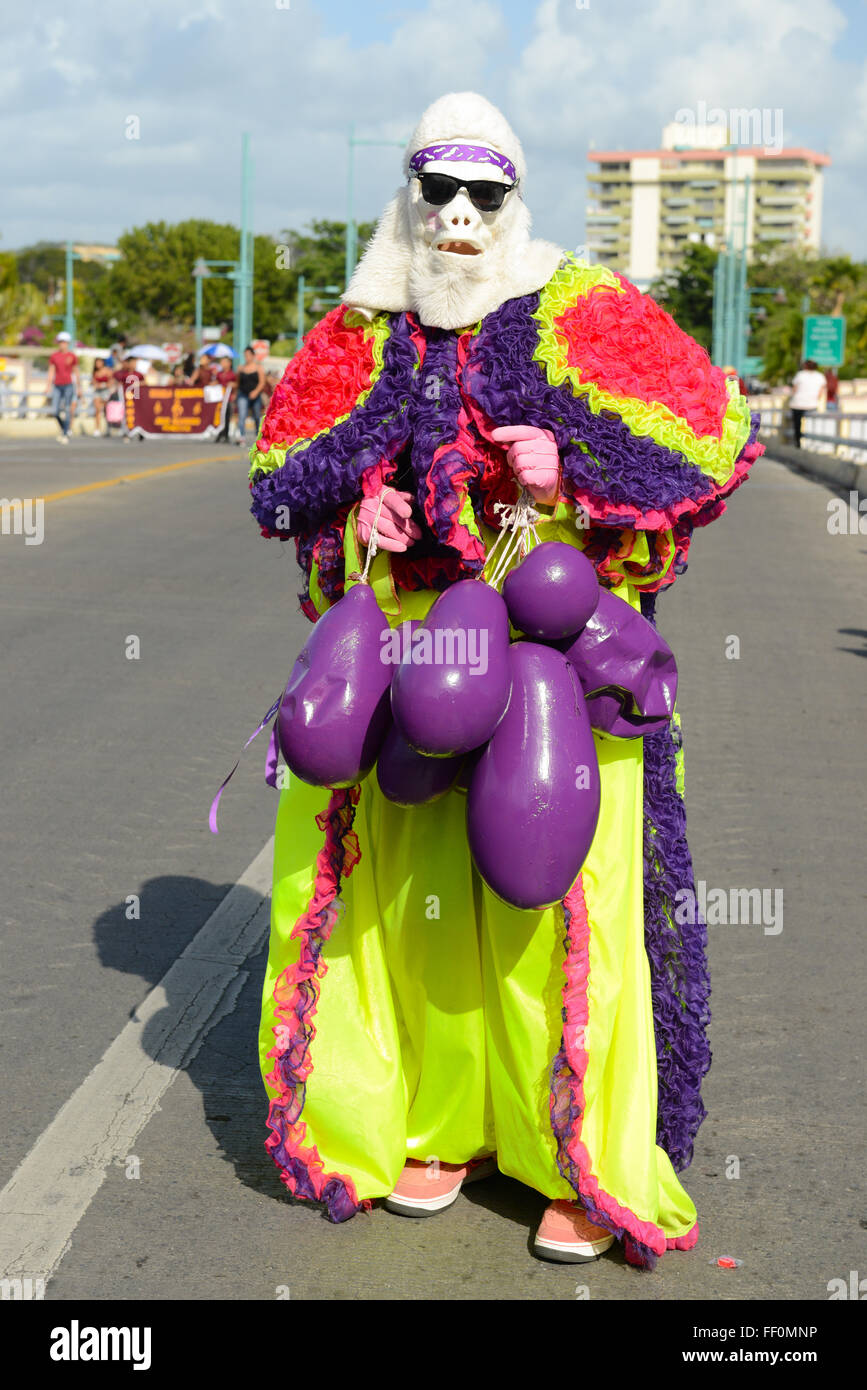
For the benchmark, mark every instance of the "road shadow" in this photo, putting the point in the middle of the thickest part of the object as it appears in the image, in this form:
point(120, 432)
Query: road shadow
point(225, 1069)
point(854, 632)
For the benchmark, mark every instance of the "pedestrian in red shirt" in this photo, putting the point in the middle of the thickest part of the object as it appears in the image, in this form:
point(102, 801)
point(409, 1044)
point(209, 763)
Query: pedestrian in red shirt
point(64, 384)
point(128, 377)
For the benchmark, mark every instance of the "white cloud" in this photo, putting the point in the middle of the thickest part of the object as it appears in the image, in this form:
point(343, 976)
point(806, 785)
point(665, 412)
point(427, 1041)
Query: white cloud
point(198, 72)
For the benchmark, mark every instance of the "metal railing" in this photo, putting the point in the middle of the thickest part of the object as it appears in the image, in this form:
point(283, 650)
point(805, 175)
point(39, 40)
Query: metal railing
point(36, 404)
point(824, 432)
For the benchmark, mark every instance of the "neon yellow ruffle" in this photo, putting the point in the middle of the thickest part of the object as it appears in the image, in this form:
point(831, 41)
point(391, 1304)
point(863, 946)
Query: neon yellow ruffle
point(440, 1009)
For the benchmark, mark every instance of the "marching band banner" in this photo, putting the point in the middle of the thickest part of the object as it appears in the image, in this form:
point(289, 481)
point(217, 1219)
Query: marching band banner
point(159, 412)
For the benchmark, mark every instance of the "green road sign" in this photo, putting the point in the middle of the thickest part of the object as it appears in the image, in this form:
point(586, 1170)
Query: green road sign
point(825, 339)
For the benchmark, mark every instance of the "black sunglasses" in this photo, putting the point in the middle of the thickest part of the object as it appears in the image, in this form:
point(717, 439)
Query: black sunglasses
point(485, 194)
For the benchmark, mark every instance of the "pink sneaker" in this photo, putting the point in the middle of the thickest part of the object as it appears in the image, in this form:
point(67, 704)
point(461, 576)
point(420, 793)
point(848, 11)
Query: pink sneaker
point(423, 1189)
point(566, 1233)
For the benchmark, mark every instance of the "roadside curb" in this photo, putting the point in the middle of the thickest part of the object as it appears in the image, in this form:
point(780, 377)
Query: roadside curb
point(842, 473)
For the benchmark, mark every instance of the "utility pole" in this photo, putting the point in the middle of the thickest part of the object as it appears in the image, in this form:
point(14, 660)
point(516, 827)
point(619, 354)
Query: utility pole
point(69, 322)
point(351, 229)
point(242, 329)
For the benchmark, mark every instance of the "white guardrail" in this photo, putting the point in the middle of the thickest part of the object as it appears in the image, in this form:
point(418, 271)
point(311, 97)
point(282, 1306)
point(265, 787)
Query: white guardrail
point(823, 432)
point(35, 405)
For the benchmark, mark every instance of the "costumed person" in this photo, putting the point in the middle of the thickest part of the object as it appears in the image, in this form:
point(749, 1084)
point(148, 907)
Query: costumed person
point(420, 1030)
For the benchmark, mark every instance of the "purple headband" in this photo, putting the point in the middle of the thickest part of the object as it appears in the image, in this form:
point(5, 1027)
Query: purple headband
point(468, 154)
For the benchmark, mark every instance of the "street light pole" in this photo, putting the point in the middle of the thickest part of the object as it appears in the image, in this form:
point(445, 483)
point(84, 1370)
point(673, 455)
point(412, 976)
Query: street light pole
point(303, 289)
point(351, 229)
point(200, 273)
point(69, 323)
point(741, 319)
point(351, 232)
point(242, 330)
point(299, 329)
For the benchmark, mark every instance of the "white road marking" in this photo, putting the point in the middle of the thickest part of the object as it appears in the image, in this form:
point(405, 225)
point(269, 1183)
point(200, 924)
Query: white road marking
point(52, 1188)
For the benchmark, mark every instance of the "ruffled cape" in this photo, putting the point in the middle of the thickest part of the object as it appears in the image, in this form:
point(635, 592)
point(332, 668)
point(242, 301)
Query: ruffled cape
point(652, 437)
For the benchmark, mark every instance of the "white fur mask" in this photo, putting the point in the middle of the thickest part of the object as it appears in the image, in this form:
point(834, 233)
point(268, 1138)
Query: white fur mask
point(404, 268)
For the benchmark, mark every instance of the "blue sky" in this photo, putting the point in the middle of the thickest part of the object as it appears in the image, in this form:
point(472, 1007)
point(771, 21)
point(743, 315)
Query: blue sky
point(195, 73)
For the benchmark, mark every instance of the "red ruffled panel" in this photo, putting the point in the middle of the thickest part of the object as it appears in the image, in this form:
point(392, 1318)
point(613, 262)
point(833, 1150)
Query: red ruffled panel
point(629, 346)
point(321, 383)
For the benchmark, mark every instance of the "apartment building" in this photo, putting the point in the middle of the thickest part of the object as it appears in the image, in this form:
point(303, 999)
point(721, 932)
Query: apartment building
point(644, 206)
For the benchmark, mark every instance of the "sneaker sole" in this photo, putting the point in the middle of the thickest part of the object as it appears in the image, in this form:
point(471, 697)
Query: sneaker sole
point(429, 1206)
point(585, 1253)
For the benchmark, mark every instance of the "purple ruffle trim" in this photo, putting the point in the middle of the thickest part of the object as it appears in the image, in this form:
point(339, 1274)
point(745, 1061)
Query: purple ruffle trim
point(680, 981)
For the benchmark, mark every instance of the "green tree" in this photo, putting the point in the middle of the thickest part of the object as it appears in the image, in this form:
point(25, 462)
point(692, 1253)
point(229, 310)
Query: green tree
point(687, 293)
point(152, 281)
point(828, 284)
point(21, 304)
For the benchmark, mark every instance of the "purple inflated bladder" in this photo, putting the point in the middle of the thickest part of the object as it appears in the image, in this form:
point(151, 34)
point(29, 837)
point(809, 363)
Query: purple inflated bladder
point(553, 591)
point(452, 692)
point(409, 778)
point(533, 801)
point(626, 669)
point(334, 713)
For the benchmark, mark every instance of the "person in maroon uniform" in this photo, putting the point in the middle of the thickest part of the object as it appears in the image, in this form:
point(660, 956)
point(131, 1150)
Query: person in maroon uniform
point(226, 377)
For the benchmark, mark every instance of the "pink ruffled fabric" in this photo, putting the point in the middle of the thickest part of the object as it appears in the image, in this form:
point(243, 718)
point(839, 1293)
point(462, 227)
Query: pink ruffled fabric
point(652, 519)
point(296, 993)
point(576, 1017)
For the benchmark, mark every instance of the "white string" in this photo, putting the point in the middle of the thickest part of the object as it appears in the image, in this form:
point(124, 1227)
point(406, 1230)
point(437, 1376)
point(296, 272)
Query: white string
point(517, 520)
point(373, 541)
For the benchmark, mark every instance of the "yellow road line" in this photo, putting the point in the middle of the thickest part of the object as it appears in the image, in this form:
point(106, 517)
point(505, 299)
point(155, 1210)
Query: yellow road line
point(133, 477)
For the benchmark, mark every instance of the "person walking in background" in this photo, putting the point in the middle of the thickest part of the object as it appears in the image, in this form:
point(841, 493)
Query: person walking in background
point(128, 376)
point(808, 392)
point(204, 373)
point(118, 351)
point(832, 386)
point(64, 384)
point(103, 385)
point(251, 393)
point(226, 377)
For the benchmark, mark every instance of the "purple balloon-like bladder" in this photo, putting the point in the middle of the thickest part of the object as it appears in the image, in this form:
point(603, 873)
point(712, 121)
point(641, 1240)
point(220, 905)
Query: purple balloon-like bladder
point(627, 670)
point(451, 693)
point(409, 778)
point(553, 591)
point(334, 713)
point(533, 801)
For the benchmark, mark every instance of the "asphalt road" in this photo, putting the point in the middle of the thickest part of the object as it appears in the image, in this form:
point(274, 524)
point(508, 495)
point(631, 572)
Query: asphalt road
point(109, 767)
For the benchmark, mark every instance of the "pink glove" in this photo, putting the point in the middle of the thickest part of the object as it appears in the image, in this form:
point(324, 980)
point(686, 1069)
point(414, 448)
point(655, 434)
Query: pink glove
point(394, 529)
point(533, 458)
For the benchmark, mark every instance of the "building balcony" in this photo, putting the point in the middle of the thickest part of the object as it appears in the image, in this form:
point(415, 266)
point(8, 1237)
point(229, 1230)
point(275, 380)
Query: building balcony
point(802, 173)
